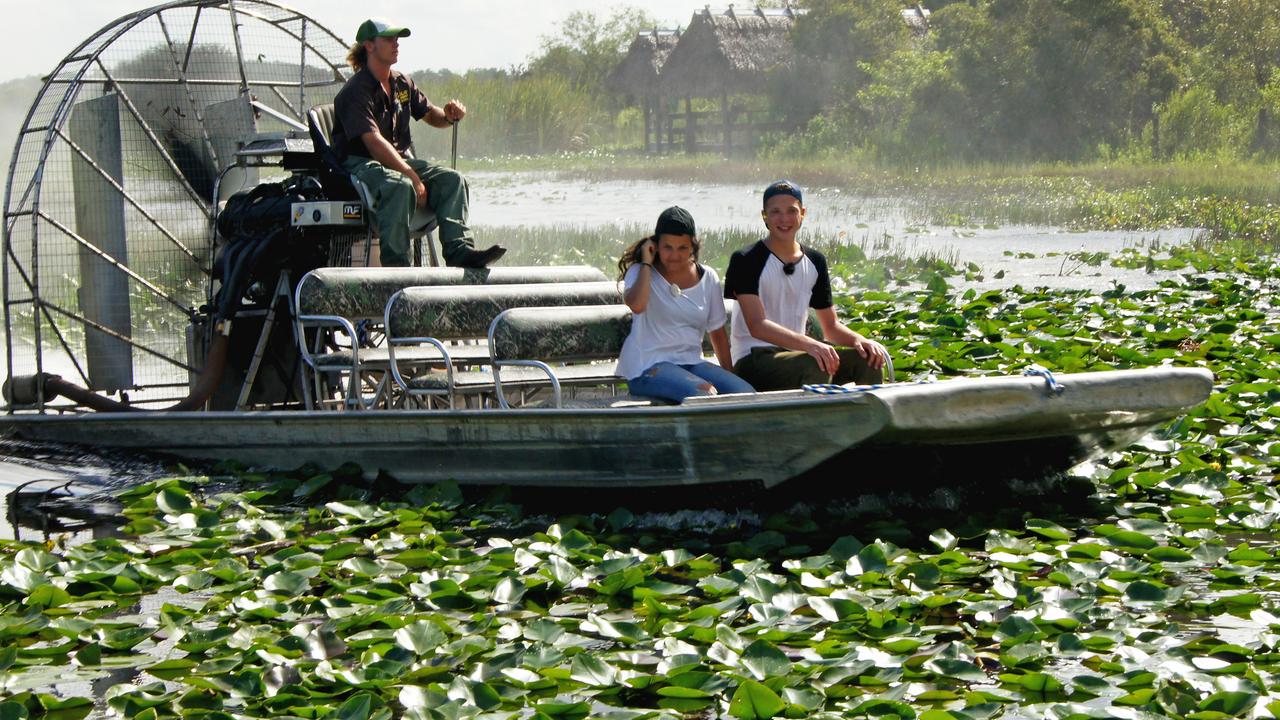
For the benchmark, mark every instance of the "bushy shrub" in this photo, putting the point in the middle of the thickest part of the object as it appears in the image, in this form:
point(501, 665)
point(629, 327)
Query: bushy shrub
point(912, 108)
point(1193, 124)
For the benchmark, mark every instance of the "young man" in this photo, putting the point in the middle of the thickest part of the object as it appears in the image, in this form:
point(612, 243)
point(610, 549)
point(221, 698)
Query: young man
point(775, 282)
point(372, 115)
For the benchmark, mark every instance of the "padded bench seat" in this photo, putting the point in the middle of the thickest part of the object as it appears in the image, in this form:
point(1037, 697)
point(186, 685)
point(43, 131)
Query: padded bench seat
point(539, 341)
point(330, 305)
point(417, 317)
point(379, 358)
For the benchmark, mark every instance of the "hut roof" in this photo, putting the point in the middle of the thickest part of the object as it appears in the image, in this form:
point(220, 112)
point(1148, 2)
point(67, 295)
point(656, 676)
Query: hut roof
point(728, 51)
point(638, 72)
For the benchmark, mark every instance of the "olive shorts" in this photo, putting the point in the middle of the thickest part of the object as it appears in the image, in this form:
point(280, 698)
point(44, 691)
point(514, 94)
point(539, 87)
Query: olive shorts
point(772, 368)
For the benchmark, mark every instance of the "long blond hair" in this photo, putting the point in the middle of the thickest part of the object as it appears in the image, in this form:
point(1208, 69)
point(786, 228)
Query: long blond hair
point(358, 56)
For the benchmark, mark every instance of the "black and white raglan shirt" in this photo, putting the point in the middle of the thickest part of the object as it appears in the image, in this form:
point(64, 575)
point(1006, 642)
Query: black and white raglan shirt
point(786, 297)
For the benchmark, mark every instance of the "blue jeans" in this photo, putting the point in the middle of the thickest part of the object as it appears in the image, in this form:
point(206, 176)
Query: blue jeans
point(668, 381)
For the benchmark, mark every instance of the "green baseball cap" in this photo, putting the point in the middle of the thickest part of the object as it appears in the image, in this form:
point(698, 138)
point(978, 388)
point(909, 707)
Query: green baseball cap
point(370, 29)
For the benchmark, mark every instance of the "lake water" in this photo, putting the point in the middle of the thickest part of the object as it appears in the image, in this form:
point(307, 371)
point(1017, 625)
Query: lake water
point(902, 225)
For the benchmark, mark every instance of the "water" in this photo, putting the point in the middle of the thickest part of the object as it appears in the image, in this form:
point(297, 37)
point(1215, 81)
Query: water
point(64, 491)
point(900, 225)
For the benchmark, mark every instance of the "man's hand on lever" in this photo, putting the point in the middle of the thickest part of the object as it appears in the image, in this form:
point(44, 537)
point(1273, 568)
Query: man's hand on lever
point(454, 111)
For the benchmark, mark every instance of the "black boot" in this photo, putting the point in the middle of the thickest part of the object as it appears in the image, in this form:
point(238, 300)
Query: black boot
point(477, 258)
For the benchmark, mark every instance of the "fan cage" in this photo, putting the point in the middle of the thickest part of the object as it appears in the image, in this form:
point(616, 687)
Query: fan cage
point(108, 241)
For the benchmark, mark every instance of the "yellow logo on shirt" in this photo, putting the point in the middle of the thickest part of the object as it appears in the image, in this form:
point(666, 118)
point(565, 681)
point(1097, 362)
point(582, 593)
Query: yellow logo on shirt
point(402, 96)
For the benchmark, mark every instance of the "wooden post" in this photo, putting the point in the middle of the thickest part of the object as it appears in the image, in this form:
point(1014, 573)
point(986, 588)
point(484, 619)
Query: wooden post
point(728, 123)
point(690, 127)
point(648, 102)
point(669, 120)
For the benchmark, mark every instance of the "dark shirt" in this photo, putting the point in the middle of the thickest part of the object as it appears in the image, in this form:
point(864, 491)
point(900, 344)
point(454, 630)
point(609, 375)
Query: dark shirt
point(748, 264)
point(362, 106)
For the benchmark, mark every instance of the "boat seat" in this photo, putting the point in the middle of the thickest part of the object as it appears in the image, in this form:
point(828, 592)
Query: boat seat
point(557, 346)
point(419, 316)
point(320, 123)
point(330, 305)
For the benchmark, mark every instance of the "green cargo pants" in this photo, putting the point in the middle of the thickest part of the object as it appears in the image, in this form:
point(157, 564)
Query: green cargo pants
point(447, 195)
point(772, 368)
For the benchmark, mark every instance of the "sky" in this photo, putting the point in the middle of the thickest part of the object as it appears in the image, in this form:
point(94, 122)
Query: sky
point(463, 34)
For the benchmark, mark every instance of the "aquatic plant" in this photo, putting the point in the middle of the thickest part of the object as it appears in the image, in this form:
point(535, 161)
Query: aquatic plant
point(1144, 588)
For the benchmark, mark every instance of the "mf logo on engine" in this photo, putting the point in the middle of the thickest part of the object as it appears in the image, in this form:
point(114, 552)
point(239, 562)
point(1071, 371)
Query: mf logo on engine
point(352, 211)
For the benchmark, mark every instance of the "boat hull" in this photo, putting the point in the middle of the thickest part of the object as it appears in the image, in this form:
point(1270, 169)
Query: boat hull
point(759, 440)
point(891, 436)
point(991, 429)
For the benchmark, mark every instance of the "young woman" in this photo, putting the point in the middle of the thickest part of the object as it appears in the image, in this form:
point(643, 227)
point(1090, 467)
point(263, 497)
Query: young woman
point(675, 302)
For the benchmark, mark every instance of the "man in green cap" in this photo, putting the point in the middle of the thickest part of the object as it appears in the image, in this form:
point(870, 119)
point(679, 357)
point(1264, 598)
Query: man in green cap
point(372, 115)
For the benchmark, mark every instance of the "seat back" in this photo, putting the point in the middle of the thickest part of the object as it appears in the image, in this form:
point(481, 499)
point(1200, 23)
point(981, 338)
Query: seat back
point(320, 125)
point(362, 293)
point(466, 311)
point(560, 334)
point(334, 178)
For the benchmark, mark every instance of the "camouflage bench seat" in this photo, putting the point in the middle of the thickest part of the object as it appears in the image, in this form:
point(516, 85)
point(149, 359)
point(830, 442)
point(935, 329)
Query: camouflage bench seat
point(332, 305)
point(421, 317)
point(557, 346)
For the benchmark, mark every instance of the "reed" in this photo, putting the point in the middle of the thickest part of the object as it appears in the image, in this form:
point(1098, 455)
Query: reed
point(865, 262)
point(521, 115)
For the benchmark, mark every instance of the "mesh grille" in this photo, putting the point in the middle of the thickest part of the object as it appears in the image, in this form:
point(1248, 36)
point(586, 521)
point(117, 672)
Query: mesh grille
point(107, 202)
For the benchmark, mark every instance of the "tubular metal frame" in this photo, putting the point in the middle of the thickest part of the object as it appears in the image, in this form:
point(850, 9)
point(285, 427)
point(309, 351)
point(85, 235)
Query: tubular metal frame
point(23, 195)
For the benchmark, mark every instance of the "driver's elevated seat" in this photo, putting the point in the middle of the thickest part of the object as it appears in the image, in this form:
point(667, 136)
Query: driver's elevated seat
point(320, 121)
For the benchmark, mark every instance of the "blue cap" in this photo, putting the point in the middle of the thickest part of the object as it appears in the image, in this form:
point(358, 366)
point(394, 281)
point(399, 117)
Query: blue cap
point(784, 187)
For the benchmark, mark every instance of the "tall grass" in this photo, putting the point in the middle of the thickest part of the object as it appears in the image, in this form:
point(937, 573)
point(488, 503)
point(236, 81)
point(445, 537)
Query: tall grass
point(869, 263)
point(510, 114)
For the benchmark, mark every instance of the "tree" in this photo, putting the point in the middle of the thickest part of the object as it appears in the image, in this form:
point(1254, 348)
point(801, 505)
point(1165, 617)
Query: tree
point(837, 39)
point(1054, 78)
point(587, 48)
point(1236, 51)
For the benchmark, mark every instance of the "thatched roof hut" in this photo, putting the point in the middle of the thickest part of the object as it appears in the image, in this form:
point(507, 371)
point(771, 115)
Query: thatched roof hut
point(728, 51)
point(637, 74)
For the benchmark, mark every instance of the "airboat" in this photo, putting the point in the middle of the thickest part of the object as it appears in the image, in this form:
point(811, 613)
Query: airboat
point(136, 320)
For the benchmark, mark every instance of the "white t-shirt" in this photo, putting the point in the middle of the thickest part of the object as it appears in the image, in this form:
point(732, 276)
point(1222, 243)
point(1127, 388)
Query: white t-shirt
point(673, 323)
point(786, 297)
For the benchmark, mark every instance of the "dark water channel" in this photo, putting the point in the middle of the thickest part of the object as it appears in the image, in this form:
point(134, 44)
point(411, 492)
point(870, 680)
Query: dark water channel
point(64, 491)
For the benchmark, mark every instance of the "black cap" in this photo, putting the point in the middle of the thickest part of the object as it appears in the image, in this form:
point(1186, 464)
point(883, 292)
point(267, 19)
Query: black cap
point(784, 187)
point(675, 220)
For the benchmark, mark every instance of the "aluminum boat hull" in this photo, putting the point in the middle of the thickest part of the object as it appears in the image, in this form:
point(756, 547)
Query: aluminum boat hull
point(844, 442)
